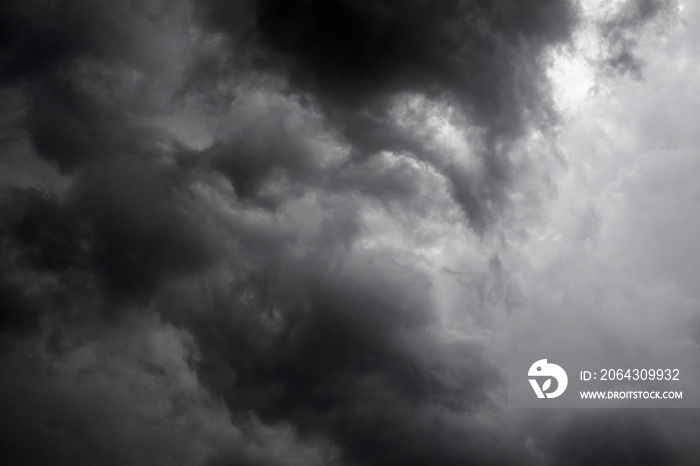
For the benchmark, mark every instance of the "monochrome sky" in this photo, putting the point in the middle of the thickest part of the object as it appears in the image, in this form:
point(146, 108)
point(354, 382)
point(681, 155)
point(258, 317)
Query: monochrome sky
point(275, 233)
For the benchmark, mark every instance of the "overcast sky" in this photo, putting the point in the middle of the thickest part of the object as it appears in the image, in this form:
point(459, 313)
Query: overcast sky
point(275, 233)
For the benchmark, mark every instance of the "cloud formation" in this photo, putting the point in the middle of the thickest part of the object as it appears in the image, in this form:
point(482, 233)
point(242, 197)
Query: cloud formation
point(355, 61)
point(278, 233)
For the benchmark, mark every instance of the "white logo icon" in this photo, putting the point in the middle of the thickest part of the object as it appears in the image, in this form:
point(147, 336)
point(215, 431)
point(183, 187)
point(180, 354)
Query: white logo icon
point(543, 369)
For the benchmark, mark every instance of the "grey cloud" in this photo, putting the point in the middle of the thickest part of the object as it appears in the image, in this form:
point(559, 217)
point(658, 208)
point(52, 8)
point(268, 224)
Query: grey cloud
point(98, 404)
point(343, 352)
point(621, 32)
point(40, 38)
point(299, 316)
point(99, 248)
point(484, 57)
point(620, 437)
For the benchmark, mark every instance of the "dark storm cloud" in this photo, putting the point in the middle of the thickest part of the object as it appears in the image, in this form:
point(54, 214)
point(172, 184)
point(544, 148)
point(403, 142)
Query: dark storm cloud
point(267, 150)
point(344, 352)
point(20, 313)
point(294, 324)
point(98, 251)
point(613, 438)
point(39, 37)
point(249, 159)
point(342, 347)
point(353, 58)
point(353, 55)
point(99, 405)
point(78, 63)
point(86, 71)
point(48, 421)
point(71, 127)
point(617, 437)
